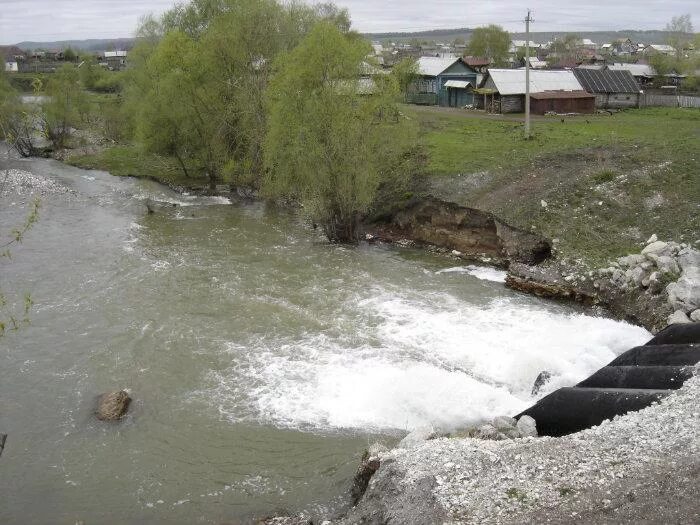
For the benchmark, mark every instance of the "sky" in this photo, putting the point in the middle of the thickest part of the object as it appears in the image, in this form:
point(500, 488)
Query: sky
point(47, 20)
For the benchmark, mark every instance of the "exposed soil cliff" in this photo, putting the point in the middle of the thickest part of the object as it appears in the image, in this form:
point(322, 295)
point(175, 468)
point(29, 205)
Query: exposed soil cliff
point(468, 232)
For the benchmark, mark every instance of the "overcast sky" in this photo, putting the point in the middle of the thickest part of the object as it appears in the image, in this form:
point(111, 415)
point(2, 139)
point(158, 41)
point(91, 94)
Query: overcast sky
point(44, 20)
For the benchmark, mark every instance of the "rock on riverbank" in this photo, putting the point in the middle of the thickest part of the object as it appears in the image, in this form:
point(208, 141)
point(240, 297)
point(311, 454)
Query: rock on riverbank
point(658, 286)
point(641, 467)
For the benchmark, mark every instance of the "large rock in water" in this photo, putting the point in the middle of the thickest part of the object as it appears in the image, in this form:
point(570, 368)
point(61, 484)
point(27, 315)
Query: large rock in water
point(112, 406)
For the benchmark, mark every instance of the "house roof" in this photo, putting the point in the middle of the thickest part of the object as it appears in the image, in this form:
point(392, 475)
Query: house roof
point(606, 81)
point(433, 66)
point(476, 61)
point(537, 63)
point(11, 52)
point(638, 70)
point(512, 81)
point(460, 84)
point(561, 94)
point(662, 48)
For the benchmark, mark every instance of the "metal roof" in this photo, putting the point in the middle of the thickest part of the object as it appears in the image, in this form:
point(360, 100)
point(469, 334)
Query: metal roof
point(606, 81)
point(512, 81)
point(433, 66)
point(638, 70)
point(461, 84)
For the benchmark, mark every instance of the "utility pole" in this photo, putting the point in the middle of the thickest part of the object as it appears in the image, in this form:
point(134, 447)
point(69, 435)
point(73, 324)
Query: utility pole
point(527, 74)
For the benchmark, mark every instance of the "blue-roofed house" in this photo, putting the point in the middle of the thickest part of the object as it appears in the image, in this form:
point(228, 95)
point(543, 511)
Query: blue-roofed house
point(444, 81)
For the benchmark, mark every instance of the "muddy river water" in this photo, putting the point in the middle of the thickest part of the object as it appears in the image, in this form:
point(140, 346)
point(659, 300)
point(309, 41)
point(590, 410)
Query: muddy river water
point(261, 360)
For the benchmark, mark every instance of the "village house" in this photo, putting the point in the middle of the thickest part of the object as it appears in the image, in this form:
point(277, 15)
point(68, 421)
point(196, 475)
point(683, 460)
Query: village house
point(12, 57)
point(659, 49)
point(503, 91)
point(115, 60)
point(642, 73)
point(478, 64)
point(443, 81)
point(612, 89)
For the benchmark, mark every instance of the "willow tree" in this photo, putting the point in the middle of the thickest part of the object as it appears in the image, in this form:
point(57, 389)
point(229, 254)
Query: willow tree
point(66, 105)
point(197, 84)
point(491, 42)
point(334, 139)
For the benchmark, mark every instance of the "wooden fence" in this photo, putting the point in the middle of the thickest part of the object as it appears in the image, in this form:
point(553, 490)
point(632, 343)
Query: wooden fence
point(669, 101)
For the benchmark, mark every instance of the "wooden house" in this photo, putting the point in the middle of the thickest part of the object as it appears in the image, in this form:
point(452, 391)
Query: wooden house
point(503, 91)
point(642, 73)
point(443, 81)
point(612, 89)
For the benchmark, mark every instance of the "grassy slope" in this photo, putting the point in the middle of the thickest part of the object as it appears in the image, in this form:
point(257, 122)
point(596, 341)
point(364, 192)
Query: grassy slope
point(609, 181)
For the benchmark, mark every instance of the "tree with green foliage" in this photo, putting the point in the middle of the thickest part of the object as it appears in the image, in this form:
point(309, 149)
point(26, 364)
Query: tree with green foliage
point(66, 105)
point(405, 72)
point(198, 77)
point(682, 33)
point(328, 145)
point(17, 120)
point(69, 55)
point(565, 49)
point(492, 42)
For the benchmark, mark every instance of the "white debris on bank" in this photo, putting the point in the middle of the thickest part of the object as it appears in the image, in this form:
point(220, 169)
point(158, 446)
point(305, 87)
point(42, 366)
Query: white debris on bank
point(480, 481)
point(20, 182)
point(662, 267)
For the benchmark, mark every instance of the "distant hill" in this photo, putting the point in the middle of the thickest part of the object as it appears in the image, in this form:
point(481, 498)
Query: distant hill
point(439, 35)
point(600, 37)
point(83, 45)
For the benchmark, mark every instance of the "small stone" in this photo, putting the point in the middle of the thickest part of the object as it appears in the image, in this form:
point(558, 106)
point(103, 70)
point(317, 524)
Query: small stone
point(678, 317)
point(487, 432)
point(695, 316)
point(652, 239)
point(504, 423)
point(631, 260)
point(541, 380)
point(112, 405)
point(527, 426)
point(543, 204)
point(658, 248)
point(417, 437)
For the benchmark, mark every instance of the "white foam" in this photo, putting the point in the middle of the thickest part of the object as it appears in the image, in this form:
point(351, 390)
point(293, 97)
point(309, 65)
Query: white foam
point(417, 360)
point(480, 272)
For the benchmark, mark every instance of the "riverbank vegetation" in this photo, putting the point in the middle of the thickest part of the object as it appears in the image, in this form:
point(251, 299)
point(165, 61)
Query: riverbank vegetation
point(281, 100)
point(258, 94)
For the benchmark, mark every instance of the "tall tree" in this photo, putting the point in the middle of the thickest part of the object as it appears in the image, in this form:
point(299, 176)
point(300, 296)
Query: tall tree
point(565, 49)
point(681, 29)
point(328, 145)
point(65, 106)
point(491, 42)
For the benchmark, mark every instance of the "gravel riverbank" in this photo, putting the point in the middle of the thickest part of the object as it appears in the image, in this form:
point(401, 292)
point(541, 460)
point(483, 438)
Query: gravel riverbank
point(640, 468)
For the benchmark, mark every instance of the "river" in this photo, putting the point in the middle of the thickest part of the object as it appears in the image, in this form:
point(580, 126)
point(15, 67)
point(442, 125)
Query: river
point(261, 360)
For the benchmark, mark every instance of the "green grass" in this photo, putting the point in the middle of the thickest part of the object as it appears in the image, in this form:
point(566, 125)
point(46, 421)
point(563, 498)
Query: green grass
point(131, 161)
point(458, 144)
point(609, 181)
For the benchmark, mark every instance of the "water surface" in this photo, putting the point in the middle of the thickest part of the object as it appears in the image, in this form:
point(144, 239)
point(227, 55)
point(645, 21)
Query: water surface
point(261, 359)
